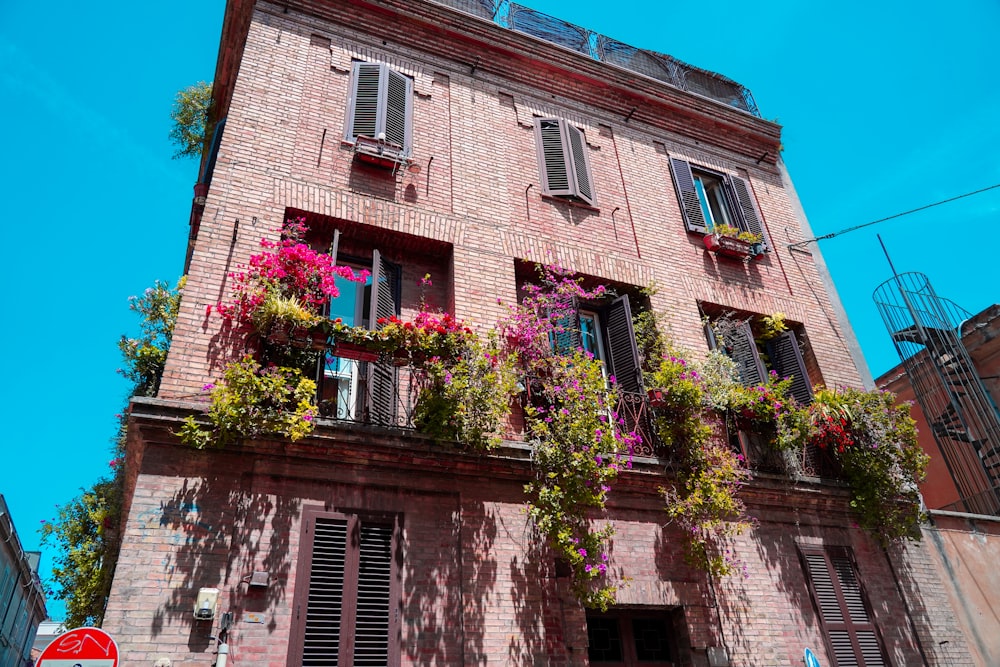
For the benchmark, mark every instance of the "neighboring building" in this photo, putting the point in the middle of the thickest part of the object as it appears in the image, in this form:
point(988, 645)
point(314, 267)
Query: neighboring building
point(22, 599)
point(416, 138)
point(47, 632)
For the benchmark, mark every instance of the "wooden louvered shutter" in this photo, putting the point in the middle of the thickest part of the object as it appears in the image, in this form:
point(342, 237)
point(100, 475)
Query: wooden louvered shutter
point(742, 348)
point(381, 373)
point(694, 217)
point(622, 349)
point(563, 160)
point(583, 182)
point(744, 203)
point(566, 338)
point(553, 161)
point(363, 107)
point(372, 635)
point(851, 635)
point(321, 644)
point(786, 358)
point(347, 604)
point(398, 109)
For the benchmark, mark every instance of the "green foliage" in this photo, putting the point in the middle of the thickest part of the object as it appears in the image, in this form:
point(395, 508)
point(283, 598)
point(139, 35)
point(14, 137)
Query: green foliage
point(580, 447)
point(704, 501)
point(146, 355)
point(737, 233)
point(82, 571)
point(252, 401)
point(189, 114)
point(881, 459)
point(466, 398)
point(84, 533)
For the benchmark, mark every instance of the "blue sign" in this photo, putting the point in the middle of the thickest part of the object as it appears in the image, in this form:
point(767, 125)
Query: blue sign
point(811, 659)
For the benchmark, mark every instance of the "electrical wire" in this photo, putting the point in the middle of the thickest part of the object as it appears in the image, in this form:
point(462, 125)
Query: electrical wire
point(891, 217)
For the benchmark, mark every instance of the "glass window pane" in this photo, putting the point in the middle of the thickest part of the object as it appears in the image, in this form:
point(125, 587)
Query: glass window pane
point(652, 639)
point(605, 640)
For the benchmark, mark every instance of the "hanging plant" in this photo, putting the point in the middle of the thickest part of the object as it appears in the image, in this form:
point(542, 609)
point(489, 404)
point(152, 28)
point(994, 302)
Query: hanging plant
point(253, 401)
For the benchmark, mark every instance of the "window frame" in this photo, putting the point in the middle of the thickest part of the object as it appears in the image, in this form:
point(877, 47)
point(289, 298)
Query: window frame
point(835, 585)
point(739, 202)
point(380, 387)
point(564, 161)
point(350, 585)
point(625, 619)
point(382, 95)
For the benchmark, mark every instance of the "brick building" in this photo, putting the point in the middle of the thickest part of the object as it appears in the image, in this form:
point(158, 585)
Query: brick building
point(418, 137)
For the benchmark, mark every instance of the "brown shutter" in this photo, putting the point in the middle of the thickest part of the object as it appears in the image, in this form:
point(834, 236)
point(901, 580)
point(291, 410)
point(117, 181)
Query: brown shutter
point(363, 108)
point(382, 374)
point(321, 644)
point(687, 196)
point(381, 101)
point(852, 637)
point(743, 350)
point(398, 109)
point(786, 358)
point(622, 349)
point(553, 158)
point(374, 597)
point(563, 161)
point(747, 208)
point(580, 163)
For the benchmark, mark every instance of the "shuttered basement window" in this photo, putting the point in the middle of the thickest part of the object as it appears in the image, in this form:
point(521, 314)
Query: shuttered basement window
point(851, 635)
point(563, 161)
point(350, 596)
point(381, 101)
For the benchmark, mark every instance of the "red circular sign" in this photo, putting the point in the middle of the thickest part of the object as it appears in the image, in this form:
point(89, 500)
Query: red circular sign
point(82, 647)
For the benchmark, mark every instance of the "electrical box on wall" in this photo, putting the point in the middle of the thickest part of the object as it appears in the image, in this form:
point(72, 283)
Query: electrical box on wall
point(205, 604)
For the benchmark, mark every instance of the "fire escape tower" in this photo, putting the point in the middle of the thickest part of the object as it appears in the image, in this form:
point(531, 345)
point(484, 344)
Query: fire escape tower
point(927, 332)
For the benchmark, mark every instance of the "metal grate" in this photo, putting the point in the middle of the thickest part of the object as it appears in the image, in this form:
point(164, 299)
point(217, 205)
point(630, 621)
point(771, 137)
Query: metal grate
point(551, 29)
point(485, 9)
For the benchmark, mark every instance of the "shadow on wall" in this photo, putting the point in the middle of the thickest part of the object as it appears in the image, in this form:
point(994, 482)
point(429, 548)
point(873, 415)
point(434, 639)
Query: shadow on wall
point(221, 533)
point(440, 615)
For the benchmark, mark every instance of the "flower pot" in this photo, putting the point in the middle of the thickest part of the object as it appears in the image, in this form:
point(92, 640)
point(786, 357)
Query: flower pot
point(353, 351)
point(657, 398)
point(279, 333)
point(728, 246)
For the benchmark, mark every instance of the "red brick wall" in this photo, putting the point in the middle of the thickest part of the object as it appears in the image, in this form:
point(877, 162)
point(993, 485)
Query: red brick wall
point(477, 586)
point(478, 189)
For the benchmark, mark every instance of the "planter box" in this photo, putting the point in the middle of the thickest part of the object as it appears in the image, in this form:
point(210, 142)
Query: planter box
point(727, 246)
point(355, 352)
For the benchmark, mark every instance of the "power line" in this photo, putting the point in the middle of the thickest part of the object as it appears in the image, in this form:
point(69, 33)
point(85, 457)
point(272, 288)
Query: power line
point(792, 246)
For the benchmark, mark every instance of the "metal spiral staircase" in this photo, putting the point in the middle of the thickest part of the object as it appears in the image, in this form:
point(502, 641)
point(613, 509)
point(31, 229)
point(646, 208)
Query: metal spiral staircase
point(926, 330)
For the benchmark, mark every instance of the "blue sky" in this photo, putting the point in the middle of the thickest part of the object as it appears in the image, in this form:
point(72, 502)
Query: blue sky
point(887, 106)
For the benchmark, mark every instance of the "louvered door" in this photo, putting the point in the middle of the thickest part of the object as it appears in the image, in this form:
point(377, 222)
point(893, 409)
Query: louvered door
point(742, 348)
point(622, 349)
point(346, 601)
point(851, 635)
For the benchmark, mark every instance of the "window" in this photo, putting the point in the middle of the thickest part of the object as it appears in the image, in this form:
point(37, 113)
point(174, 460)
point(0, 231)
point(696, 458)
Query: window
point(563, 160)
point(783, 355)
point(710, 198)
point(380, 106)
point(347, 597)
point(851, 636)
point(607, 333)
point(355, 390)
point(629, 638)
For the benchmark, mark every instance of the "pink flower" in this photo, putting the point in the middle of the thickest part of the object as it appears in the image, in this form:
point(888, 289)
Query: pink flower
point(208, 386)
